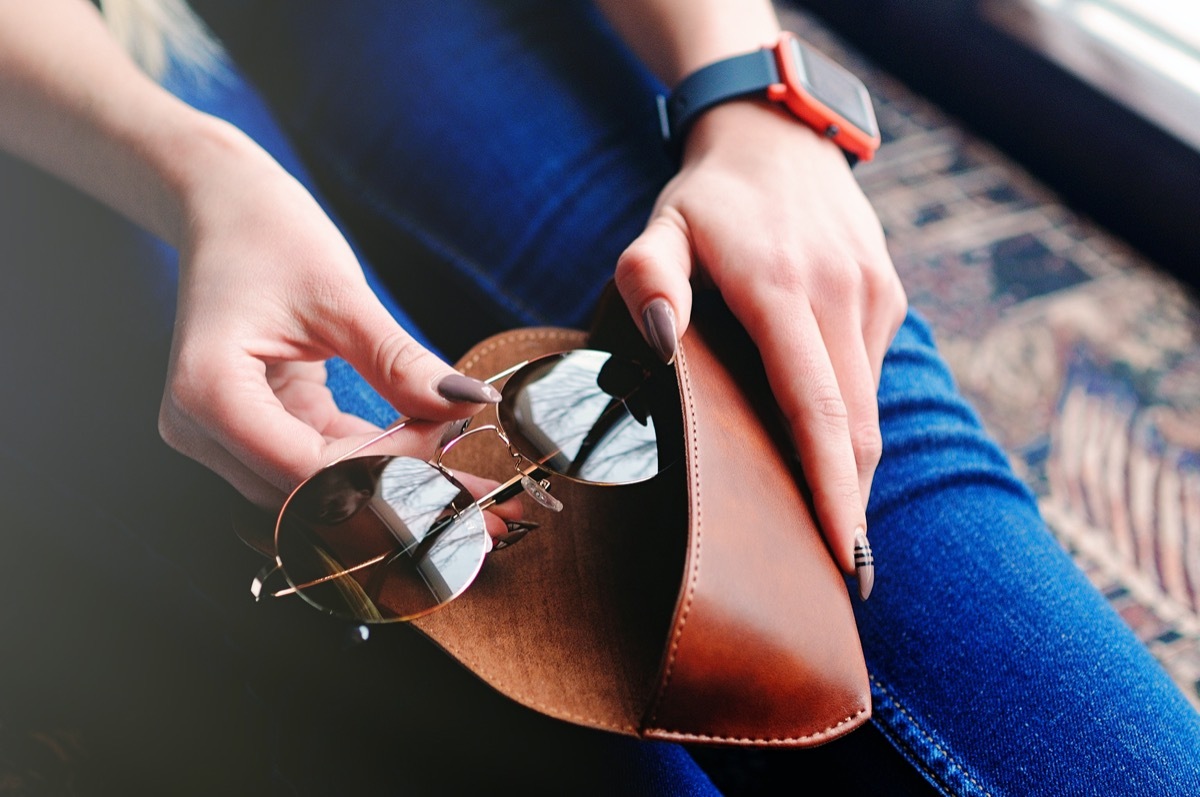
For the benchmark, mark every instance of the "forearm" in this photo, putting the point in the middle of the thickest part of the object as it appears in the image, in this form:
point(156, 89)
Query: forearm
point(73, 103)
point(677, 37)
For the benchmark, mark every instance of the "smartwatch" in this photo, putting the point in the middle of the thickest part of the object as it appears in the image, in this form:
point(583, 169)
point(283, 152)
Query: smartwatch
point(816, 90)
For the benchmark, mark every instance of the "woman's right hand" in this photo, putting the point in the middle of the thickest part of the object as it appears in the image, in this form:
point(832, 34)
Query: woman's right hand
point(269, 289)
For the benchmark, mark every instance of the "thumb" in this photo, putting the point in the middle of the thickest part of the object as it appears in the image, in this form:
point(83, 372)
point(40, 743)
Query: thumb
point(653, 276)
point(413, 379)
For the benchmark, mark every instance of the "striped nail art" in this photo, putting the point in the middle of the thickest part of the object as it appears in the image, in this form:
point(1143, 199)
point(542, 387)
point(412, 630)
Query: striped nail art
point(864, 564)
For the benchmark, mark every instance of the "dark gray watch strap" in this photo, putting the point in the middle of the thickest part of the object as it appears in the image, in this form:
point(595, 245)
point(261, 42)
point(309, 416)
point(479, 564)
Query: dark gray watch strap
point(724, 80)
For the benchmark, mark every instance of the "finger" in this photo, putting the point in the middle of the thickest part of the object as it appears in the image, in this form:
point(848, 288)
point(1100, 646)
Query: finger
point(857, 380)
point(221, 397)
point(408, 375)
point(653, 276)
point(302, 391)
point(805, 386)
point(479, 487)
point(187, 439)
point(886, 309)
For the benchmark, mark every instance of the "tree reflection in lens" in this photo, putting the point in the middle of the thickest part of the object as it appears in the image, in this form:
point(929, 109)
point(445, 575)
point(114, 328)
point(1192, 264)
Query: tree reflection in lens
point(439, 543)
point(583, 414)
point(387, 531)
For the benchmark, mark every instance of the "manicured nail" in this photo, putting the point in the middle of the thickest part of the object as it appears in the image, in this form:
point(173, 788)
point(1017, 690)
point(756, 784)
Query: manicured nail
point(864, 564)
point(459, 387)
point(516, 530)
point(453, 429)
point(658, 319)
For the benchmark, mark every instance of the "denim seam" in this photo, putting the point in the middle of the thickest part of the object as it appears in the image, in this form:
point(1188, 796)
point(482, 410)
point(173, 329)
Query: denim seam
point(579, 178)
point(379, 203)
point(946, 775)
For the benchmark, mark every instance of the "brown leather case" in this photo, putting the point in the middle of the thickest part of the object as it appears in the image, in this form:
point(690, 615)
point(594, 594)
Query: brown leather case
point(700, 606)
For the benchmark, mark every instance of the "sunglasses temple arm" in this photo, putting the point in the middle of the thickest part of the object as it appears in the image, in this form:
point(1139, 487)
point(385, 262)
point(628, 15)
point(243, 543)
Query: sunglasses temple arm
point(502, 493)
point(258, 587)
point(271, 569)
point(506, 372)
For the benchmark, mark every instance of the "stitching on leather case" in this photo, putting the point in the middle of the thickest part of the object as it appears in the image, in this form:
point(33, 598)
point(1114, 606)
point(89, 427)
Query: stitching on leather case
point(808, 737)
point(669, 671)
point(694, 577)
point(505, 338)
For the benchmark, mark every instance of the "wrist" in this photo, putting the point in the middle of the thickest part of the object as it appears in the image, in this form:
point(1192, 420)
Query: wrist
point(756, 128)
point(818, 92)
point(718, 36)
point(202, 163)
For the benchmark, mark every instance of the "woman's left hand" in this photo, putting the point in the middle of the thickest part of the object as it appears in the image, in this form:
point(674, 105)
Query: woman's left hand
point(768, 213)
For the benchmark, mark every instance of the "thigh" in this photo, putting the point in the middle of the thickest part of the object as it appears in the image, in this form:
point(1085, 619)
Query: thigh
point(492, 157)
point(994, 663)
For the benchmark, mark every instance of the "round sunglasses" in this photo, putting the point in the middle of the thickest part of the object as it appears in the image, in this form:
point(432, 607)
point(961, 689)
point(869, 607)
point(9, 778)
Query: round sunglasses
point(374, 537)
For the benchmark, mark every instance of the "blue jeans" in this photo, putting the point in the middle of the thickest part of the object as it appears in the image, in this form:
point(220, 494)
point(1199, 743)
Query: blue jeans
point(490, 160)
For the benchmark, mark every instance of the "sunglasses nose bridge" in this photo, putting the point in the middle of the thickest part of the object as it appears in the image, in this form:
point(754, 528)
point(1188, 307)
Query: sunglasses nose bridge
point(538, 490)
point(463, 434)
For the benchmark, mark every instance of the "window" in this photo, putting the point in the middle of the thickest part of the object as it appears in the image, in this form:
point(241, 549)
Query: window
point(1143, 53)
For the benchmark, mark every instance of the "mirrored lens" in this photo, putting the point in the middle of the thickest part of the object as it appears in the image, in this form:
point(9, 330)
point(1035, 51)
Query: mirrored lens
point(584, 414)
point(381, 538)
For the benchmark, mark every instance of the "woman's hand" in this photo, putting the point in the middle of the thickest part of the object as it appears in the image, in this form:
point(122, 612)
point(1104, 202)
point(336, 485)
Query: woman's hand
point(769, 214)
point(269, 289)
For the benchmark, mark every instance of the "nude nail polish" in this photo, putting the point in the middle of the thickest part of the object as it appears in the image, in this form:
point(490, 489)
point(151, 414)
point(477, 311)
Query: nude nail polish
point(516, 530)
point(462, 388)
point(658, 319)
point(864, 564)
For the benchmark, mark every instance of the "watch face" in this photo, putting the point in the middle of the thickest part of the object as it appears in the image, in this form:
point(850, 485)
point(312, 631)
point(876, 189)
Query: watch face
point(837, 88)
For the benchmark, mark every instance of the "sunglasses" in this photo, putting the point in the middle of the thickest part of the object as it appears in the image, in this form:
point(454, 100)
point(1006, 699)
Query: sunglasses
point(377, 538)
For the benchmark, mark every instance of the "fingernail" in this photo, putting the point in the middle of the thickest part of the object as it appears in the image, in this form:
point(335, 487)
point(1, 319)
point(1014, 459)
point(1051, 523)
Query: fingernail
point(864, 564)
point(516, 530)
point(459, 387)
point(453, 429)
point(658, 319)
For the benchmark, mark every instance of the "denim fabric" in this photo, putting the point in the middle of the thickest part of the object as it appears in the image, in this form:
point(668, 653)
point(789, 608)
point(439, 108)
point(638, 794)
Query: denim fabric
point(490, 160)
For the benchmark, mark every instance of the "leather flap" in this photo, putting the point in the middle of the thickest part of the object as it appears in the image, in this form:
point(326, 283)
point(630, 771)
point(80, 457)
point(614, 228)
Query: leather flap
point(764, 648)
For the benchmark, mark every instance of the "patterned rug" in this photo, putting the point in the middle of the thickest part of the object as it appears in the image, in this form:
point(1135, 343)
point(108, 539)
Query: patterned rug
point(1082, 358)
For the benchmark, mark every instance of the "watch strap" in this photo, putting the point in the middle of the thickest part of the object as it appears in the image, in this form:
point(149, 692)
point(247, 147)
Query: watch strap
point(725, 80)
